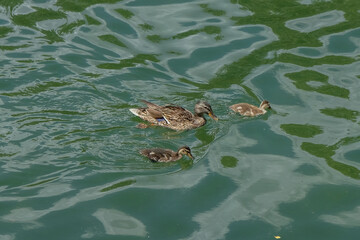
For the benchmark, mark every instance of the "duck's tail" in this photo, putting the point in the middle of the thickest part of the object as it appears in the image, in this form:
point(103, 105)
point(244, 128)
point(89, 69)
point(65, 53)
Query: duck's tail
point(135, 111)
point(149, 104)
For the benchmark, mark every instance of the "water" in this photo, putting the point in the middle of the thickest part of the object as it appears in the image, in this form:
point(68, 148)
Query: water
point(69, 161)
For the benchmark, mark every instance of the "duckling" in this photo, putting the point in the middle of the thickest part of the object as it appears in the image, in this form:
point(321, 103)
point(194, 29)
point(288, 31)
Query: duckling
point(174, 117)
point(249, 110)
point(166, 155)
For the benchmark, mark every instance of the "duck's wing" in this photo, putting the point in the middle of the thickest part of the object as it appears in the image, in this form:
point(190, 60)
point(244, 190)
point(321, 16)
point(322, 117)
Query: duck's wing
point(149, 104)
point(153, 109)
point(151, 113)
point(175, 114)
point(240, 107)
point(168, 115)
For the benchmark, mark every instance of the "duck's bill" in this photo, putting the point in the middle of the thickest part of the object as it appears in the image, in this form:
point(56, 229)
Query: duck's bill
point(213, 116)
point(190, 156)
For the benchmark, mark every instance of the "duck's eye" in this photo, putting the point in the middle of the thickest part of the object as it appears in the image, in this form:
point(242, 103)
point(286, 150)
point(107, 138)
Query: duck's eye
point(208, 108)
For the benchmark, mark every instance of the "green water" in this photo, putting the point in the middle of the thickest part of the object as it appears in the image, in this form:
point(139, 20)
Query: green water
point(69, 162)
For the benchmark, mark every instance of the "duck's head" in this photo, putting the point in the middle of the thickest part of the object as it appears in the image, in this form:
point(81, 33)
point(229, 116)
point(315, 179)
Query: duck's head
point(185, 150)
point(203, 107)
point(265, 105)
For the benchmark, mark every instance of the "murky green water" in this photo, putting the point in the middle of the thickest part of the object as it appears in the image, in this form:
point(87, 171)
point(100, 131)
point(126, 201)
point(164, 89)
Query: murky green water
point(69, 162)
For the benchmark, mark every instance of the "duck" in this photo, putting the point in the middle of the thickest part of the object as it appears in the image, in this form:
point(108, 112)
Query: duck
point(246, 109)
point(174, 117)
point(166, 155)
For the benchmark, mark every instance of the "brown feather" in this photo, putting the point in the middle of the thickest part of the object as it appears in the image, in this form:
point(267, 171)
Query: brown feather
point(175, 117)
point(160, 155)
point(246, 109)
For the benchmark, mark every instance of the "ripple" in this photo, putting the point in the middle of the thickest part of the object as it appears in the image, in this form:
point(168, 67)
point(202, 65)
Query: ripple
point(322, 20)
point(346, 218)
point(114, 24)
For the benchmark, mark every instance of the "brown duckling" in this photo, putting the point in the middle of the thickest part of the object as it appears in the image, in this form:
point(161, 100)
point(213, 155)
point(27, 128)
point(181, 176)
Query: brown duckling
point(174, 117)
point(249, 110)
point(166, 155)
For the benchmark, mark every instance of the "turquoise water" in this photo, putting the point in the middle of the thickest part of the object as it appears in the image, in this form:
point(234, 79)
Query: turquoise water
point(69, 162)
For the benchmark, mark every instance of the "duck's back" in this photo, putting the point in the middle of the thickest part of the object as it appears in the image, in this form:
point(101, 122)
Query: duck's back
point(160, 155)
point(169, 116)
point(246, 109)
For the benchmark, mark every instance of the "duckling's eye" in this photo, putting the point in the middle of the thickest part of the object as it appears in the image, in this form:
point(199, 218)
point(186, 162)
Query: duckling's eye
point(208, 108)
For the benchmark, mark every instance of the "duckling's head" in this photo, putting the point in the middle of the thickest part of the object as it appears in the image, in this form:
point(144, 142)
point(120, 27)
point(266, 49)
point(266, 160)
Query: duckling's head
point(203, 107)
point(265, 105)
point(185, 150)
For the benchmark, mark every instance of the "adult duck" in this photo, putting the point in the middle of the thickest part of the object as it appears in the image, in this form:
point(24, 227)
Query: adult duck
point(175, 117)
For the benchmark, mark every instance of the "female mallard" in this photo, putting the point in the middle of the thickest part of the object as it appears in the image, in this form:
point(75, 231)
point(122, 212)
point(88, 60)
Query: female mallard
point(174, 117)
point(166, 155)
point(249, 110)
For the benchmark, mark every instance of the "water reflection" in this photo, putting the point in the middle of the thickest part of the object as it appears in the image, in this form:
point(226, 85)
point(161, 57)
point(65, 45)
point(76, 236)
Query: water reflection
point(118, 223)
point(322, 20)
point(312, 209)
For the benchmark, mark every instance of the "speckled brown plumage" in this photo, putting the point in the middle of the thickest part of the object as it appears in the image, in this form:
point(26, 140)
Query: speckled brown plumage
point(174, 117)
point(249, 110)
point(165, 155)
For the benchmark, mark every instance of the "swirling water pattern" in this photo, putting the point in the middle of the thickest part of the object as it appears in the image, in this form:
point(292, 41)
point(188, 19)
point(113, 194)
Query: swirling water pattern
point(69, 161)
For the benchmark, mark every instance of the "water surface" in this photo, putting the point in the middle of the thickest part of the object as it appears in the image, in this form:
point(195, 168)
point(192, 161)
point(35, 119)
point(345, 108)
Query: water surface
point(69, 162)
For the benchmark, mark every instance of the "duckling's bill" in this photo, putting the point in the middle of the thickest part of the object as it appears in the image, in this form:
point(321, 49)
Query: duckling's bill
point(213, 116)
